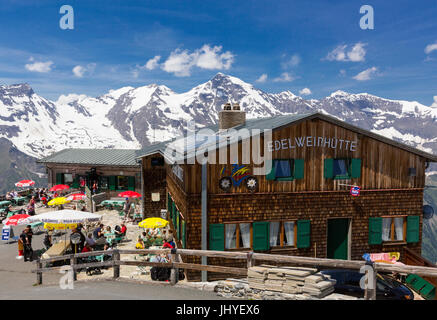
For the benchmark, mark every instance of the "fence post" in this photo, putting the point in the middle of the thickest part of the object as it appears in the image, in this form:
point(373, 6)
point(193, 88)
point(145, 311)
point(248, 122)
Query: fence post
point(38, 273)
point(115, 260)
point(73, 261)
point(174, 274)
point(249, 260)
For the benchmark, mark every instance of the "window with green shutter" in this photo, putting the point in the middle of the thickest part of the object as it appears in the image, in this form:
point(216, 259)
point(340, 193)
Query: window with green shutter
point(303, 233)
point(413, 229)
point(261, 236)
point(217, 237)
point(75, 184)
point(375, 230)
point(112, 181)
point(286, 169)
point(131, 183)
point(59, 178)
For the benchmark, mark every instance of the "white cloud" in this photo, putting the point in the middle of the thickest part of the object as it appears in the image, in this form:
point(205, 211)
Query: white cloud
point(293, 61)
point(305, 92)
point(79, 71)
point(355, 54)
point(434, 105)
point(180, 62)
point(262, 78)
point(152, 63)
point(366, 74)
point(36, 66)
point(285, 77)
point(342, 72)
point(430, 48)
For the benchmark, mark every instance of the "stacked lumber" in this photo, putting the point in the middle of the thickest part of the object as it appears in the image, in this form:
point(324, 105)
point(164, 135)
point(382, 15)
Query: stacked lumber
point(290, 280)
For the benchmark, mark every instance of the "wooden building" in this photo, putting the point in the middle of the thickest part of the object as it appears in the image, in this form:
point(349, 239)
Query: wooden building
point(114, 170)
point(304, 204)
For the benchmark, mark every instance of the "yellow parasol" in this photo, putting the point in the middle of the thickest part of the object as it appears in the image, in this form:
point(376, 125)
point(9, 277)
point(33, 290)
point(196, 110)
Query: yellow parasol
point(153, 223)
point(58, 201)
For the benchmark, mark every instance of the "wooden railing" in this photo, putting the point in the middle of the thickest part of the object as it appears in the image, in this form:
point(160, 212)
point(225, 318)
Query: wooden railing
point(250, 257)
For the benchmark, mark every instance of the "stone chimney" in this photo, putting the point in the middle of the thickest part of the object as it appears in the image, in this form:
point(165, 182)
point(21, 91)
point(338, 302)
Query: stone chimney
point(231, 116)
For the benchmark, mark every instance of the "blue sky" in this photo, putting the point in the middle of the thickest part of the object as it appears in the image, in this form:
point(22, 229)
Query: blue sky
point(275, 45)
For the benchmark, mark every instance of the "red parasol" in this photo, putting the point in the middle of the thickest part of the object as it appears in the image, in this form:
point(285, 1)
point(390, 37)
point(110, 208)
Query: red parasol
point(25, 183)
point(129, 194)
point(15, 220)
point(59, 187)
point(76, 197)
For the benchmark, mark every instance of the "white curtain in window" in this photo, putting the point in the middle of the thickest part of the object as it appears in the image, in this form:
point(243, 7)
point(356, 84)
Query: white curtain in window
point(245, 234)
point(289, 233)
point(399, 228)
point(386, 228)
point(274, 232)
point(231, 236)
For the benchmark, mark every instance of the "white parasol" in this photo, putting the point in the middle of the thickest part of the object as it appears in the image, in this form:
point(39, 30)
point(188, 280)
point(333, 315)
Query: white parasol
point(64, 216)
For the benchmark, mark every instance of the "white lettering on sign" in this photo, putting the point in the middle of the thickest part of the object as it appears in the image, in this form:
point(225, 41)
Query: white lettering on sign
point(310, 141)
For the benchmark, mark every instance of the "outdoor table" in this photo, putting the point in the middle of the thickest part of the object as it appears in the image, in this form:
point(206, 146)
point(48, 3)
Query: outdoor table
point(19, 200)
point(4, 204)
point(58, 249)
point(110, 236)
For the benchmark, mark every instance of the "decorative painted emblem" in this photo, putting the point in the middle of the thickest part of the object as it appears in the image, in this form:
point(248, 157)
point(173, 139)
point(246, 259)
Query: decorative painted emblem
point(355, 191)
point(236, 176)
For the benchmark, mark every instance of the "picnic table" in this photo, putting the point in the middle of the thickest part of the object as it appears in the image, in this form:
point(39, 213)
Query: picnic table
point(5, 203)
point(19, 200)
point(58, 249)
point(113, 203)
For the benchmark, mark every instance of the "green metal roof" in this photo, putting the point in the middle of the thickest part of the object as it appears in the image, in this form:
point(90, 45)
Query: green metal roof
point(95, 157)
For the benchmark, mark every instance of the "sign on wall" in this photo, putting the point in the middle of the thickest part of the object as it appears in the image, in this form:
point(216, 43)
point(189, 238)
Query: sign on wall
point(310, 141)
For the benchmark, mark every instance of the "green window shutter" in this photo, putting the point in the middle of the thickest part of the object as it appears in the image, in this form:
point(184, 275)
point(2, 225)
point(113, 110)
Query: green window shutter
point(303, 233)
point(112, 181)
point(178, 226)
point(261, 236)
point(75, 183)
point(271, 175)
point(169, 206)
point(329, 168)
point(59, 177)
point(299, 166)
point(131, 183)
point(184, 235)
point(413, 229)
point(356, 168)
point(217, 237)
point(375, 230)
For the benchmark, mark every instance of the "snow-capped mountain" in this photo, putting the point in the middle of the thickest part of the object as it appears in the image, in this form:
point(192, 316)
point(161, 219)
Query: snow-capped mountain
point(134, 117)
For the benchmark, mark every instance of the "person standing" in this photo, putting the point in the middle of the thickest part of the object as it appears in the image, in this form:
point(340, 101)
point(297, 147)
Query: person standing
point(26, 238)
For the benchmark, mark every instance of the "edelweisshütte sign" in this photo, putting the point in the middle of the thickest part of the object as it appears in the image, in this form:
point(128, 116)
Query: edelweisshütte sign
point(311, 141)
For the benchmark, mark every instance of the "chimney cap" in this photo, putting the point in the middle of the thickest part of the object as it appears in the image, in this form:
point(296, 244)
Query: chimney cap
point(236, 106)
point(227, 106)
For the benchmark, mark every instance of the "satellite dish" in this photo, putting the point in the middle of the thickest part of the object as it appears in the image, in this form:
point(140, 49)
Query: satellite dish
point(428, 212)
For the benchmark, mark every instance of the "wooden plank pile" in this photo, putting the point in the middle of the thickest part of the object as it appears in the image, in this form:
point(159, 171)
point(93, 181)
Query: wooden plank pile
point(291, 280)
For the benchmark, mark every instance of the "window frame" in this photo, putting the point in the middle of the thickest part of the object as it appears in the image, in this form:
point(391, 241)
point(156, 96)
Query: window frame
point(348, 168)
point(64, 180)
point(281, 234)
point(393, 230)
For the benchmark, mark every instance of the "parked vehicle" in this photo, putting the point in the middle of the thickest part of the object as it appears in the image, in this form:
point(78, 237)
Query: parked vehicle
point(387, 287)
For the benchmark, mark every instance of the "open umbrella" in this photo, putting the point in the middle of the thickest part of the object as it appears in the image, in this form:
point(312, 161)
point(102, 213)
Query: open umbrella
point(25, 183)
point(76, 197)
point(65, 216)
point(15, 220)
point(153, 223)
point(58, 201)
point(129, 194)
point(60, 226)
point(59, 187)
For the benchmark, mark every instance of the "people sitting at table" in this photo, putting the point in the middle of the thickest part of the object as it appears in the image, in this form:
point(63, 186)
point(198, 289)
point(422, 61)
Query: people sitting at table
point(160, 258)
point(120, 231)
point(167, 245)
point(140, 244)
point(98, 232)
point(108, 231)
point(87, 248)
point(89, 240)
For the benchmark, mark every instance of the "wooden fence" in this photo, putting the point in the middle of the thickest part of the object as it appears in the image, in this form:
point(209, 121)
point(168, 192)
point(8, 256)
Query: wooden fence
point(251, 258)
